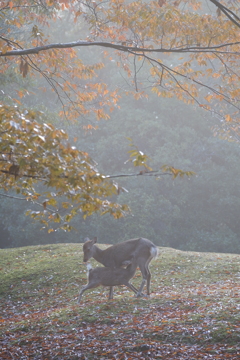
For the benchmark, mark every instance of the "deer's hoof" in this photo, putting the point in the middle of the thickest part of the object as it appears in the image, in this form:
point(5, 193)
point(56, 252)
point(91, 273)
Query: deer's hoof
point(142, 295)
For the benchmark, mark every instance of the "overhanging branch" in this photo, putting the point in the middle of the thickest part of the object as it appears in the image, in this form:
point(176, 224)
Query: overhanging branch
point(140, 173)
point(119, 47)
point(28, 198)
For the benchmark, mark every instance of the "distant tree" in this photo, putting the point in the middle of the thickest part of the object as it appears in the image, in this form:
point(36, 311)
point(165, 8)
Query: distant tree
point(143, 35)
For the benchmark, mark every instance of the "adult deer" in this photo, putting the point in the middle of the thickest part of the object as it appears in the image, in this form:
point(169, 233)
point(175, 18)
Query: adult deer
point(107, 276)
point(116, 255)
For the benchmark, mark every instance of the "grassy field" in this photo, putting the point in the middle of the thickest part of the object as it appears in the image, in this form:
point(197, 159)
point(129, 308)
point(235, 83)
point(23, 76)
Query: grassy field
point(192, 313)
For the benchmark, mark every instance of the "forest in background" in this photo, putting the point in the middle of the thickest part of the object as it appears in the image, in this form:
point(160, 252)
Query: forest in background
point(197, 213)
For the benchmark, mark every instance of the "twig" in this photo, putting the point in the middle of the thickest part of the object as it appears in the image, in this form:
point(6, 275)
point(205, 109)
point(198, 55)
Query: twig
point(141, 173)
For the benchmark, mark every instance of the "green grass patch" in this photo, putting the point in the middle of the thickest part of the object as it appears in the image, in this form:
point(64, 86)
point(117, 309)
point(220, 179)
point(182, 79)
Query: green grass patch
point(193, 310)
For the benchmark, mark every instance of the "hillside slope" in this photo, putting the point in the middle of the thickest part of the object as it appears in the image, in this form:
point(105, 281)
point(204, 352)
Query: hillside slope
point(193, 311)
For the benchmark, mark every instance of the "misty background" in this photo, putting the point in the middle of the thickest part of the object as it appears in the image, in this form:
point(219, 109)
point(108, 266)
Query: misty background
point(200, 213)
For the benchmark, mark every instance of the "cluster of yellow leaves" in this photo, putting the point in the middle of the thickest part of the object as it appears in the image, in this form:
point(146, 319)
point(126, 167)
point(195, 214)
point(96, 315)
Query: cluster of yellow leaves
point(176, 172)
point(31, 152)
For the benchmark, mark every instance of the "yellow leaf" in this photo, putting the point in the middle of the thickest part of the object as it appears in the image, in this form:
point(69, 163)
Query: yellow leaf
point(20, 94)
point(209, 98)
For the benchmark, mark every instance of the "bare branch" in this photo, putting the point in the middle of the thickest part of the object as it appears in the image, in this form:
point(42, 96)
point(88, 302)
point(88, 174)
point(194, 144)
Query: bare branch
point(230, 14)
point(28, 199)
point(12, 197)
point(173, 73)
point(119, 47)
point(141, 173)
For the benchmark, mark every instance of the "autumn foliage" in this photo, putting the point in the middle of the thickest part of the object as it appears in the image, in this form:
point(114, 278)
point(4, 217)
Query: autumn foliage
point(188, 49)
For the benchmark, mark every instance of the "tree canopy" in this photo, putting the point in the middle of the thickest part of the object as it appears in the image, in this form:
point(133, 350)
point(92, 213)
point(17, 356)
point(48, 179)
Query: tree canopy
point(187, 49)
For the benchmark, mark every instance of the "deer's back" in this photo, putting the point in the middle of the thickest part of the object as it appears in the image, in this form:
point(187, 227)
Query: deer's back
point(107, 276)
point(115, 255)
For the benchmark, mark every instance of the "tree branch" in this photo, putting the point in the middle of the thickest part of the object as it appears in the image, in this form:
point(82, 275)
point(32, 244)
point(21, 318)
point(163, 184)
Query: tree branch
point(12, 197)
point(123, 48)
point(141, 173)
point(145, 173)
point(26, 199)
point(173, 73)
point(24, 175)
point(229, 13)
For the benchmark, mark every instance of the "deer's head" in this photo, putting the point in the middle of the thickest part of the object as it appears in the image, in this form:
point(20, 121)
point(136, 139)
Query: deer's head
point(88, 248)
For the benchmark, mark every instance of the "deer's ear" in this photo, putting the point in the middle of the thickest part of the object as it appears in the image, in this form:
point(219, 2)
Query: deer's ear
point(94, 240)
point(86, 239)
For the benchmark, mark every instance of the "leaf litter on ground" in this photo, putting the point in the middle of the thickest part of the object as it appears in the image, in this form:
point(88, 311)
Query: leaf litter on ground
point(192, 313)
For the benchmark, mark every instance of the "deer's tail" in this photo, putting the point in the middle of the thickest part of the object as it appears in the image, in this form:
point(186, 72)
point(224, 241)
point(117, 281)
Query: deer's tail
point(154, 251)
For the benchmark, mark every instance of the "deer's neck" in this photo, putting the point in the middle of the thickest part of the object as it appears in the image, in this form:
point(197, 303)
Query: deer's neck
point(100, 256)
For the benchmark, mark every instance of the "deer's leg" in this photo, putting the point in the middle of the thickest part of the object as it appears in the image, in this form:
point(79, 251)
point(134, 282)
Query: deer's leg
point(139, 293)
point(135, 290)
point(86, 287)
point(143, 265)
point(81, 292)
point(148, 281)
point(148, 276)
point(110, 293)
